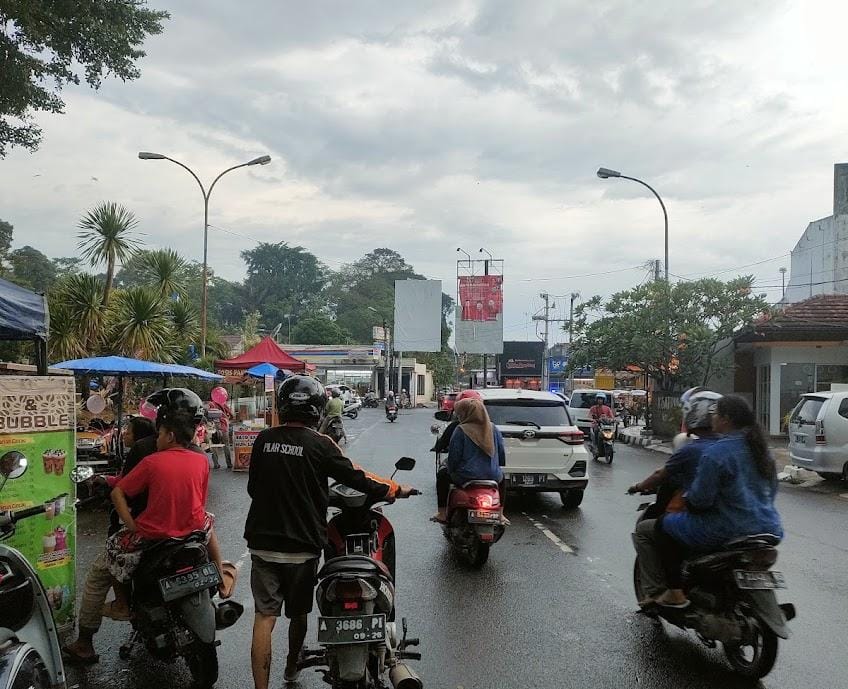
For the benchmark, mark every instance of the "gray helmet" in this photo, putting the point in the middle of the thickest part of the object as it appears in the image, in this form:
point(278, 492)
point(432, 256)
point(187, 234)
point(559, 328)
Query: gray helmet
point(698, 406)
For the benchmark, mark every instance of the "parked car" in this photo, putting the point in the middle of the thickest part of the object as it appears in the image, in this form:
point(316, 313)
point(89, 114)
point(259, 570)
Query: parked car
point(448, 401)
point(818, 434)
point(544, 449)
point(580, 404)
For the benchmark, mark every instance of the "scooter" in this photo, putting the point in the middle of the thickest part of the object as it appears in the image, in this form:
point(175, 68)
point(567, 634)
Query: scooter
point(356, 598)
point(370, 401)
point(732, 601)
point(602, 443)
point(351, 409)
point(392, 412)
point(475, 520)
point(30, 655)
point(174, 615)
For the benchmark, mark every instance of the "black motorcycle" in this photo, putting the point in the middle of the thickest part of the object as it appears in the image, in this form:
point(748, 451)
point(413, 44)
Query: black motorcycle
point(173, 612)
point(732, 601)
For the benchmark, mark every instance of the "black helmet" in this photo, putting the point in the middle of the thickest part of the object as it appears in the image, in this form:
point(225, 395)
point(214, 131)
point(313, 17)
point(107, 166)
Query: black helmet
point(301, 398)
point(335, 392)
point(170, 401)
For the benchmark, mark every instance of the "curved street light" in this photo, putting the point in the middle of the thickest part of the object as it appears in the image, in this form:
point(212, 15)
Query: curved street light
point(606, 173)
point(261, 160)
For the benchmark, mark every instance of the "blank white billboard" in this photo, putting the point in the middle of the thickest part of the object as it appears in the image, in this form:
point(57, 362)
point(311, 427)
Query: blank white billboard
point(478, 337)
point(418, 316)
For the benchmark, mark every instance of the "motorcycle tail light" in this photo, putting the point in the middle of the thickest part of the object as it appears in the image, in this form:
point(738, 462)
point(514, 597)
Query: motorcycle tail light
point(572, 438)
point(485, 501)
point(351, 590)
point(352, 605)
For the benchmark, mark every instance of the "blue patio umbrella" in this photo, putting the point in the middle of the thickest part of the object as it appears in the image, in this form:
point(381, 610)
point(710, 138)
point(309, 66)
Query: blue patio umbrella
point(262, 370)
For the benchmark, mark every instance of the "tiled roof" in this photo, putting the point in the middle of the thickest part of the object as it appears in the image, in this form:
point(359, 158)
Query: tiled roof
point(821, 318)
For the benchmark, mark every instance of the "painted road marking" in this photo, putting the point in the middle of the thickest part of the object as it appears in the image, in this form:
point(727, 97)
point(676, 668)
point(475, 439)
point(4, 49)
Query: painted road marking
point(556, 540)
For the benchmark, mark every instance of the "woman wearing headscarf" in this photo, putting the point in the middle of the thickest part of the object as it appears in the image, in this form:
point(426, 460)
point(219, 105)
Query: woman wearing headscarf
point(476, 452)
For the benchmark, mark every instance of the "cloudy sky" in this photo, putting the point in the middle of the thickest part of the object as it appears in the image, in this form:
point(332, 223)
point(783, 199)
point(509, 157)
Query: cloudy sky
point(427, 126)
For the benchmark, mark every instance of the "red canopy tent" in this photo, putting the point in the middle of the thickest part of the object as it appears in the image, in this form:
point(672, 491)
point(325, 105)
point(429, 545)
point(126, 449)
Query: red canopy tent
point(266, 352)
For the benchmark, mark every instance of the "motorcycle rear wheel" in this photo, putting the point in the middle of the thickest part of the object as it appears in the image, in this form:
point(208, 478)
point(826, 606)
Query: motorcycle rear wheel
point(202, 661)
point(610, 454)
point(763, 650)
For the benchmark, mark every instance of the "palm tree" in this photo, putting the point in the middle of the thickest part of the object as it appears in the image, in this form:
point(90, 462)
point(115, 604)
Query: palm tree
point(106, 237)
point(141, 325)
point(77, 317)
point(166, 271)
point(185, 326)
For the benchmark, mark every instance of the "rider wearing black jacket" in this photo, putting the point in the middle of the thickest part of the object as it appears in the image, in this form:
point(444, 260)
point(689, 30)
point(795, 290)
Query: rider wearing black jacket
point(290, 468)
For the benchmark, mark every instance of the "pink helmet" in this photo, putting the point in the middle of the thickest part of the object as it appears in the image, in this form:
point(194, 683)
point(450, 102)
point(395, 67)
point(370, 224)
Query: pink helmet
point(469, 395)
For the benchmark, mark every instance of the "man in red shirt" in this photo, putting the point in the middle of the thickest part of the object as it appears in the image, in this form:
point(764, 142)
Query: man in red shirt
point(599, 411)
point(176, 481)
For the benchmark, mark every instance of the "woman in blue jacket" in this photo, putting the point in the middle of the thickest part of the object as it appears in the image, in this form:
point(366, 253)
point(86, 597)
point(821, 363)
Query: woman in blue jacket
point(732, 495)
point(476, 452)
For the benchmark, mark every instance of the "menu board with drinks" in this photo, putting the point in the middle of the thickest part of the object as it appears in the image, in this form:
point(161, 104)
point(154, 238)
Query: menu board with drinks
point(37, 420)
point(243, 439)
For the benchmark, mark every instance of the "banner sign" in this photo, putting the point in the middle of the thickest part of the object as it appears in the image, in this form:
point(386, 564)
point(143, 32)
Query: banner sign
point(38, 420)
point(243, 440)
point(557, 365)
point(521, 359)
point(480, 297)
point(418, 316)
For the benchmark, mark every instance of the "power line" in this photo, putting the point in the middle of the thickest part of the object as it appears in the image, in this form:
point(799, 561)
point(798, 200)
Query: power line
point(585, 275)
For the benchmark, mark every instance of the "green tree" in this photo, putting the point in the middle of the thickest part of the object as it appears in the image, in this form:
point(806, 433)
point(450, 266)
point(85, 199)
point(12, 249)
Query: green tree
point(76, 309)
point(106, 237)
point(45, 44)
point(282, 279)
point(674, 332)
point(32, 269)
point(67, 265)
point(141, 325)
point(319, 329)
point(250, 330)
point(7, 231)
point(166, 270)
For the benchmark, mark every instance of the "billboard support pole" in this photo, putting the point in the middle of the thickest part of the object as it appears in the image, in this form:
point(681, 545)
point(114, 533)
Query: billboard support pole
point(485, 357)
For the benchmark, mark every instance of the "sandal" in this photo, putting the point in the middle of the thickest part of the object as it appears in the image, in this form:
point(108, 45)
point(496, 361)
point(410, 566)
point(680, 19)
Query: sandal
point(74, 658)
point(113, 612)
point(670, 600)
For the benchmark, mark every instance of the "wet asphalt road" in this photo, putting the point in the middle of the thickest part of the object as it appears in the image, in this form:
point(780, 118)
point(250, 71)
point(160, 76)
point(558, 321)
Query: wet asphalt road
point(535, 615)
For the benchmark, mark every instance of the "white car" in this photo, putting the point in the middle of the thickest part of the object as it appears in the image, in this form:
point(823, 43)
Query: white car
point(581, 402)
point(818, 434)
point(544, 449)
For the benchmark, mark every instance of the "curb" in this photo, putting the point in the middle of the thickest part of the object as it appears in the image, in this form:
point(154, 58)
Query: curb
point(648, 443)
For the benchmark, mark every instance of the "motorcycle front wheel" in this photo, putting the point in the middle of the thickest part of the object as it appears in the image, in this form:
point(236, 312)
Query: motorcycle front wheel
point(202, 661)
point(755, 657)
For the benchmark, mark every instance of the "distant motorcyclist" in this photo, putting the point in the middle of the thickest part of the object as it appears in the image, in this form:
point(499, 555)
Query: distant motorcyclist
point(670, 482)
point(404, 399)
point(598, 412)
point(391, 402)
point(332, 424)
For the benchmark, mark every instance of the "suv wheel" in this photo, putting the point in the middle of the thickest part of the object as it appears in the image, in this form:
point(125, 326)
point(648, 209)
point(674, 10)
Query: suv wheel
point(571, 498)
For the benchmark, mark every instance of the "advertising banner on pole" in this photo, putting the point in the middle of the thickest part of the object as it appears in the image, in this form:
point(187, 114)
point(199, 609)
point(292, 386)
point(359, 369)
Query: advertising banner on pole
point(418, 316)
point(38, 420)
point(478, 337)
point(480, 297)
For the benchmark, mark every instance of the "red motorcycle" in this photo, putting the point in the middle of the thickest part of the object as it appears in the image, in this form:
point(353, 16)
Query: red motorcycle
point(475, 520)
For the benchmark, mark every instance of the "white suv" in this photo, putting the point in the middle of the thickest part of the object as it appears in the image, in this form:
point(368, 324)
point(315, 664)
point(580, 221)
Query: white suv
point(818, 434)
point(544, 449)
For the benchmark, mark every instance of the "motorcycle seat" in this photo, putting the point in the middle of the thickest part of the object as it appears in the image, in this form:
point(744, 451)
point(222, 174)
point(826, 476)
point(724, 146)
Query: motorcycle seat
point(754, 542)
point(360, 565)
point(754, 550)
point(479, 484)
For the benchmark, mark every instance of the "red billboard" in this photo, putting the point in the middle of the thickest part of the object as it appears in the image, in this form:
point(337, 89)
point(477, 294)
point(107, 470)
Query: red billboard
point(481, 297)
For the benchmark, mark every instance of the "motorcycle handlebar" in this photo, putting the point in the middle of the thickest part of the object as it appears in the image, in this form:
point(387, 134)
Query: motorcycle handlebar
point(29, 512)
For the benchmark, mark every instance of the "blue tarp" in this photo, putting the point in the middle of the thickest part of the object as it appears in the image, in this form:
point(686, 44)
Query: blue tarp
point(124, 366)
point(23, 314)
point(262, 370)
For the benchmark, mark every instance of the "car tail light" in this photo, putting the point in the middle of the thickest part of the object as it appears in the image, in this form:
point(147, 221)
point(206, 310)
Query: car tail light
point(820, 437)
point(572, 437)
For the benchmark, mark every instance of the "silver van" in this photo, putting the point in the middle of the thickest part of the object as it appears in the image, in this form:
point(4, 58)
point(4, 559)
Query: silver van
point(818, 434)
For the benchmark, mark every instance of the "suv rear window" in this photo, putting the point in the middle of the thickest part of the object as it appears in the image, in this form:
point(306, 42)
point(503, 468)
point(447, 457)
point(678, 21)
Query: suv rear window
point(582, 400)
point(808, 410)
point(528, 413)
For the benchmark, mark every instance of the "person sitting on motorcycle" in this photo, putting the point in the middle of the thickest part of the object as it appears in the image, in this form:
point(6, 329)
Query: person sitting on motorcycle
point(476, 453)
point(670, 482)
point(390, 402)
point(176, 480)
point(732, 495)
point(443, 443)
point(286, 526)
point(597, 412)
point(334, 408)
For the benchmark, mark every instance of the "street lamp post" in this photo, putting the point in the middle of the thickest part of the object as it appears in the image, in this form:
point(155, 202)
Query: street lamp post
point(386, 353)
point(261, 160)
point(606, 173)
point(288, 316)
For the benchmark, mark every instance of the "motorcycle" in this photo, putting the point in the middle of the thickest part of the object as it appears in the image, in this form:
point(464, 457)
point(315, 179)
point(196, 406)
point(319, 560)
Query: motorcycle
point(392, 412)
point(174, 615)
point(602, 441)
point(732, 601)
point(475, 520)
point(30, 654)
point(370, 401)
point(356, 598)
point(334, 427)
point(351, 408)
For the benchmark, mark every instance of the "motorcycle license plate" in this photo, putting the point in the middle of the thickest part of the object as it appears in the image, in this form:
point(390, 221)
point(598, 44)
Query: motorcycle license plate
point(205, 576)
point(528, 479)
point(354, 629)
point(483, 517)
point(757, 581)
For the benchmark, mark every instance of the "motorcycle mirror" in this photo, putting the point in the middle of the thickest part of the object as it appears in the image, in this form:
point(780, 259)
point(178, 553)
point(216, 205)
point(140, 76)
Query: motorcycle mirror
point(435, 429)
point(442, 415)
point(80, 474)
point(405, 464)
point(13, 465)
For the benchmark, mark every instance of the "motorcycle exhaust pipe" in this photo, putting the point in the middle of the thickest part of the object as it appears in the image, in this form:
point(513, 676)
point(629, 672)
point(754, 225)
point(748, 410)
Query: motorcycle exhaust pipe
point(402, 677)
point(227, 614)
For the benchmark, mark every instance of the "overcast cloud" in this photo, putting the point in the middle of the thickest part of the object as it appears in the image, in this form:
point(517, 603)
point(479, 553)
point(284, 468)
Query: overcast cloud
point(428, 126)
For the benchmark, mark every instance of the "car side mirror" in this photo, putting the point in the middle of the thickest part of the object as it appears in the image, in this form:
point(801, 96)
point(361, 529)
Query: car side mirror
point(442, 415)
point(13, 465)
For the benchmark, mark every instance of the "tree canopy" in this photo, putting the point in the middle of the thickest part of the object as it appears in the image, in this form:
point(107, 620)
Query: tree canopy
point(319, 329)
point(46, 45)
point(672, 332)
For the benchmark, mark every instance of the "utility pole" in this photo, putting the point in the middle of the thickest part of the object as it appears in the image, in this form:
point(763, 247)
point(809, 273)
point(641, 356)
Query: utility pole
point(574, 295)
point(657, 270)
point(548, 320)
point(782, 283)
point(485, 358)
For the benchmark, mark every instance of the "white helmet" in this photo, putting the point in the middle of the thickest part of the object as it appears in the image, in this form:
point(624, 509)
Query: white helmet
point(698, 405)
